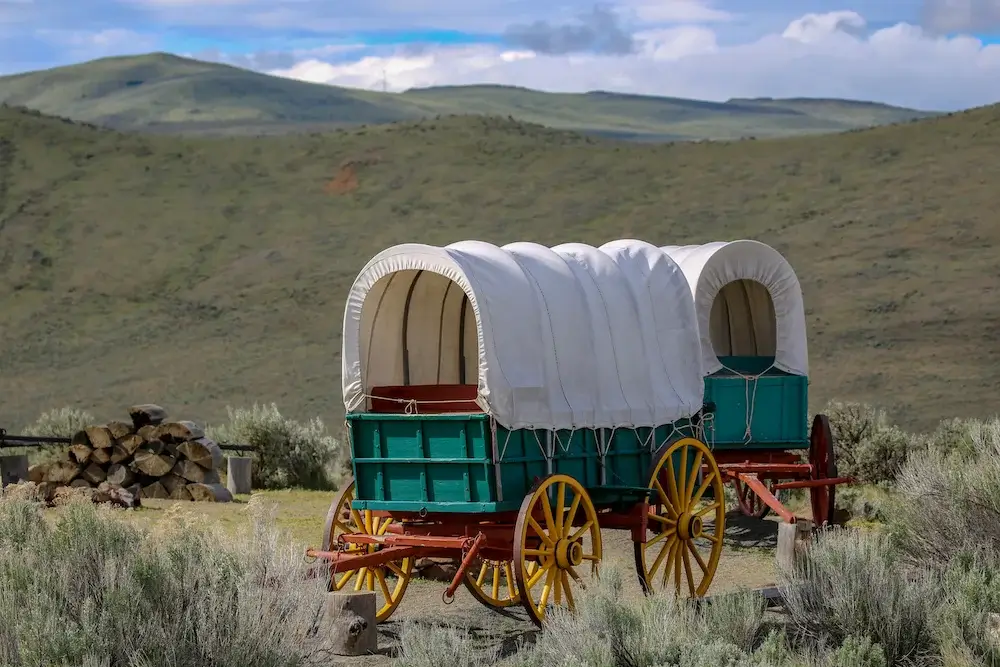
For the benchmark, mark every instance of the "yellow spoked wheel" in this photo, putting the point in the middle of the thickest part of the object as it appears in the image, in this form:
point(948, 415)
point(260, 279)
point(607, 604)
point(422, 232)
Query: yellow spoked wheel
point(687, 527)
point(493, 583)
point(388, 581)
point(556, 535)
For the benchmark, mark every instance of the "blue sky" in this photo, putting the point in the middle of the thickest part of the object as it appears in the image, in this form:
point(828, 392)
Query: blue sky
point(940, 54)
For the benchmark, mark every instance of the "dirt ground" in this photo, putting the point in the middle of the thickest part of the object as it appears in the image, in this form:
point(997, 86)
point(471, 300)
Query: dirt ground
point(747, 562)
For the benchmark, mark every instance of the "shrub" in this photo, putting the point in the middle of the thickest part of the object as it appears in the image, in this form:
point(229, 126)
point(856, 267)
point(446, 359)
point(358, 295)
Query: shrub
point(92, 589)
point(854, 584)
point(972, 587)
point(867, 446)
point(60, 423)
point(287, 453)
point(610, 629)
point(948, 503)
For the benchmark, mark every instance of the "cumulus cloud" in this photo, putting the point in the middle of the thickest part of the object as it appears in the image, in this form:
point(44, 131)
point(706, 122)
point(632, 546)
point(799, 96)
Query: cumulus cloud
point(598, 31)
point(948, 16)
point(831, 55)
point(816, 27)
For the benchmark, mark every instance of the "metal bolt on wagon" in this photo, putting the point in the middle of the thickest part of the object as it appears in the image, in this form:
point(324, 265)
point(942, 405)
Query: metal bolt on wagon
point(506, 403)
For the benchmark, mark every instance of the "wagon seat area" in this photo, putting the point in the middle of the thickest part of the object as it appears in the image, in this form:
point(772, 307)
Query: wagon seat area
point(420, 353)
point(752, 322)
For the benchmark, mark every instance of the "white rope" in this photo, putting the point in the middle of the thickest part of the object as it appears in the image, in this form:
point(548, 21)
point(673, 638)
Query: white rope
point(413, 405)
point(506, 442)
point(564, 448)
point(751, 397)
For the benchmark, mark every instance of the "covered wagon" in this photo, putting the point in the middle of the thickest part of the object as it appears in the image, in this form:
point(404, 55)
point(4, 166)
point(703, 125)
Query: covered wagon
point(752, 327)
point(506, 403)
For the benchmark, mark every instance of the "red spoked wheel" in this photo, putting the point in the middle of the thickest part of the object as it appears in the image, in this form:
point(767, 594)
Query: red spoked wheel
point(750, 504)
point(824, 465)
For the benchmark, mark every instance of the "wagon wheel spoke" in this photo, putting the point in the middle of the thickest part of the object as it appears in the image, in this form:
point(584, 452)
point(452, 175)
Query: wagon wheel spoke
point(389, 580)
point(493, 585)
point(553, 547)
point(678, 522)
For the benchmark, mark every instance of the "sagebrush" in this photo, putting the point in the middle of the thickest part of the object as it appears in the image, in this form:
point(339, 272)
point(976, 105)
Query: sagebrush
point(286, 453)
point(90, 589)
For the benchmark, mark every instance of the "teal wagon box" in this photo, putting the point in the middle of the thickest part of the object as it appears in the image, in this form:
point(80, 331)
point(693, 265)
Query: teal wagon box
point(465, 463)
point(773, 403)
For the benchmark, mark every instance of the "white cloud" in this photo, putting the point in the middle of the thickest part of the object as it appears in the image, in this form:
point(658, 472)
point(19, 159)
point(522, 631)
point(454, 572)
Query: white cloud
point(818, 55)
point(676, 11)
point(817, 27)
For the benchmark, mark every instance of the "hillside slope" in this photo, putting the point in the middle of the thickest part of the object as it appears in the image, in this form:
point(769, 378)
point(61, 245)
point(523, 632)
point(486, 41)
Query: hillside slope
point(203, 272)
point(166, 93)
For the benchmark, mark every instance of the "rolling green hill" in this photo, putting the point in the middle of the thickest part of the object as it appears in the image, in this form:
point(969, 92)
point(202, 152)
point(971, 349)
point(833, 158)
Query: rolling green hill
point(198, 272)
point(165, 93)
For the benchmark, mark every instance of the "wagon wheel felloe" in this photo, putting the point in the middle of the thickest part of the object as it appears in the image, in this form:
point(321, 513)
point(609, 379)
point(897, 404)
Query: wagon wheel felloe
point(388, 581)
point(822, 457)
point(493, 583)
point(554, 539)
point(683, 518)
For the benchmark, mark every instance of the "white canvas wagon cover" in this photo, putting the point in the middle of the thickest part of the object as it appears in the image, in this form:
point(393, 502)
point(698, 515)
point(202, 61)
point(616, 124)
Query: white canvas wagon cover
point(712, 266)
point(557, 338)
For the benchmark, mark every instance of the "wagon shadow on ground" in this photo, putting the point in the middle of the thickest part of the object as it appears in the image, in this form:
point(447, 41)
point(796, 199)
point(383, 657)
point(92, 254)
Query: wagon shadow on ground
point(506, 640)
point(743, 532)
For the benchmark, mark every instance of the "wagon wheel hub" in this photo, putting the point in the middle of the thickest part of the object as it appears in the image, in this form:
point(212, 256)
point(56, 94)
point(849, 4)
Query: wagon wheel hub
point(689, 527)
point(569, 553)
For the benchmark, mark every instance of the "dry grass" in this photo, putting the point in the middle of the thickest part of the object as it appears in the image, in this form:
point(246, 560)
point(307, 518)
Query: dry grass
point(204, 273)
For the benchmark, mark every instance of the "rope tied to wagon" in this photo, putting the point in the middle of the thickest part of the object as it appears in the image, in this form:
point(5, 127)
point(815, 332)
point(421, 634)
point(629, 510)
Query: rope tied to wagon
point(751, 396)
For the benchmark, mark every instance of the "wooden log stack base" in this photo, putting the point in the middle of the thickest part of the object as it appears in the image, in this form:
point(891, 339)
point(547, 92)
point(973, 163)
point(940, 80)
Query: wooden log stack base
point(352, 623)
point(150, 457)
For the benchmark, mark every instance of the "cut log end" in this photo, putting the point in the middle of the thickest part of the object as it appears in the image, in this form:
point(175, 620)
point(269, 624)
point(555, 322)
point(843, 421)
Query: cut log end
point(100, 437)
point(353, 631)
point(147, 414)
point(210, 493)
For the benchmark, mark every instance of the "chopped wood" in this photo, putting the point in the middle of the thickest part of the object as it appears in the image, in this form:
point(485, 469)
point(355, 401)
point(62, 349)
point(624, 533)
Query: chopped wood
point(100, 437)
point(120, 429)
point(154, 490)
point(80, 438)
point(153, 458)
point(130, 443)
point(147, 432)
point(62, 472)
point(94, 474)
point(154, 465)
point(101, 456)
point(193, 472)
point(152, 447)
point(181, 431)
point(146, 414)
point(173, 480)
point(120, 475)
point(202, 451)
point(37, 472)
point(80, 452)
point(210, 493)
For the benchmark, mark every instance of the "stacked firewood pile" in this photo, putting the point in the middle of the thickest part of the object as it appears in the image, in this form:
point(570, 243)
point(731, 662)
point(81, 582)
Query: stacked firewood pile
point(150, 457)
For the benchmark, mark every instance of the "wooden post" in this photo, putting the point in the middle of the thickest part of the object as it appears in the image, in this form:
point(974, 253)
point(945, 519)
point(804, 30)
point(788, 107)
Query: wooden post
point(353, 629)
point(238, 474)
point(793, 538)
point(13, 469)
